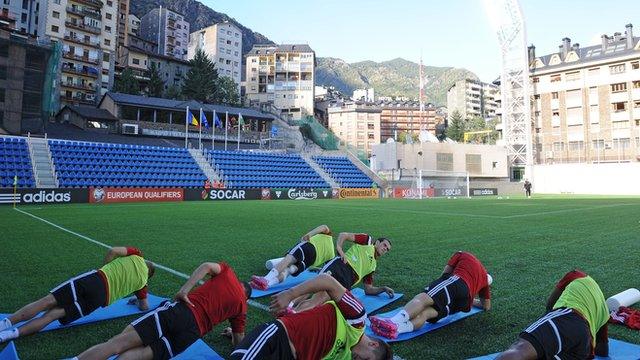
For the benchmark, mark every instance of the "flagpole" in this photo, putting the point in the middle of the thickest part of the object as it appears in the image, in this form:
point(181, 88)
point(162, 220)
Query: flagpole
point(15, 190)
point(200, 131)
point(226, 129)
point(239, 117)
point(213, 131)
point(186, 128)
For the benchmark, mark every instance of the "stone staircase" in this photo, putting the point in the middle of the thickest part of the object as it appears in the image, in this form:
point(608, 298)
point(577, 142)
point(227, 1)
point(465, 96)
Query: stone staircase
point(314, 165)
point(204, 165)
point(43, 170)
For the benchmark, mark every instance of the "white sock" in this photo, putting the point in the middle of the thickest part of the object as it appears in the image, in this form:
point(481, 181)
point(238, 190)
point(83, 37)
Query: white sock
point(405, 327)
point(272, 277)
point(400, 317)
point(5, 324)
point(7, 335)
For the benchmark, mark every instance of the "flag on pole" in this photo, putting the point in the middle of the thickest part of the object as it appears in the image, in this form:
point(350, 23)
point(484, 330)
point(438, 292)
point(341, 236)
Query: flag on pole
point(204, 120)
point(217, 121)
point(192, 119)
point(200, 130)
point(226, 129)
point(186, 127)
point(240, 124)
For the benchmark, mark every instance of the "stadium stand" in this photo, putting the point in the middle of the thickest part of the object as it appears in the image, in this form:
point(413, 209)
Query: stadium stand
point(264, 170)
point(15, 161)
point(85, 164)
point(343, 171)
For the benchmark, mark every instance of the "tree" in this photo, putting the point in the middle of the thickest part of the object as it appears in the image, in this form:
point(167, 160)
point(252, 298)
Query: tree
point(200, 81)
point(173, 92)
point(456, 128)
point(226, 91)
point(156, 85)
point(127, 83)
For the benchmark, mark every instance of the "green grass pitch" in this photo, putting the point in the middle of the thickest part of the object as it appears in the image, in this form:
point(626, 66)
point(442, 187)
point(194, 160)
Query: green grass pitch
point(526, 244)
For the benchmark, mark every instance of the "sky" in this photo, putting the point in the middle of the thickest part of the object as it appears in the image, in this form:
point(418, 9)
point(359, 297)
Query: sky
point(453, 33)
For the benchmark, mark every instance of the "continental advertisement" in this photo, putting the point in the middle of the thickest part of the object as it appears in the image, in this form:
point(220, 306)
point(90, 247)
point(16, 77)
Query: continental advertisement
point(356, 193)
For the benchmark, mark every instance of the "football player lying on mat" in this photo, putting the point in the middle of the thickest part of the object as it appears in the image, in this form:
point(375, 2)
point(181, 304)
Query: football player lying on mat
point(174, 326)
point(315, 248)
point(333, 330)
point(357, 264)
point(574, 327)
point(463, 278)
point(125, 272)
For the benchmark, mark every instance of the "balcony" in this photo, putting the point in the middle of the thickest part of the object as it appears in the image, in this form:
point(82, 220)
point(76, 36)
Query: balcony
point(84, 12)
point(79, 98)
point(83, 27)
point(620, 96)
point(635, 93)
point(555, 104)
point(80, 71)
point(171, 24)
point(78, 86)
point(86, 59)
point(82, 41)
point(95, 3)
point(620, 116)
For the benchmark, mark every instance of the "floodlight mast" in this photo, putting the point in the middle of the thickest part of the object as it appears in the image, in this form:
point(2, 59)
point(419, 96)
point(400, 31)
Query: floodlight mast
point(515, 87)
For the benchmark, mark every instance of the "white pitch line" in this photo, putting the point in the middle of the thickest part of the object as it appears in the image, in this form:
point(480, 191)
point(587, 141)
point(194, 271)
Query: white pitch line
point(159, 266)
point(426, 212)
point(564, 211)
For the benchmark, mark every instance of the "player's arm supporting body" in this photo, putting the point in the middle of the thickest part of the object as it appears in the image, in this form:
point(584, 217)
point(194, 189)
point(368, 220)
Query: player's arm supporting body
point(115, 252)
point(370, 289)
point(322, 282)
point(322, 229)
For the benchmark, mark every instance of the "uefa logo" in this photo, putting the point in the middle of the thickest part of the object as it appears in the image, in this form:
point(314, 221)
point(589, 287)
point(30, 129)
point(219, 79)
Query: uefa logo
point(98, 194)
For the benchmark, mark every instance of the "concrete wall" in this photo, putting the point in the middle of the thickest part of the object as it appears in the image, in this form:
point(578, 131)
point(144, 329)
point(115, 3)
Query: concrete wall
point(493, 158)
point(602, 179)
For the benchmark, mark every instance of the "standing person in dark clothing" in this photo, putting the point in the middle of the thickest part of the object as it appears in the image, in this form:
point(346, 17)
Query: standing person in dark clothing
point(527, 188)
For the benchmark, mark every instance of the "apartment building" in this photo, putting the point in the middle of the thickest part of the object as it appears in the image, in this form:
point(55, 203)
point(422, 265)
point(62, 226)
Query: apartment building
point(123, 22)
point(222, 42)
point(169, 29)
point(24, 90)
point(363, 125)
point(356, 125)
point(586, 101)
point(140, 53)
point(87, 32)
point(134, 24)
point(281, 78)
point(23, 14)
point(473, 98)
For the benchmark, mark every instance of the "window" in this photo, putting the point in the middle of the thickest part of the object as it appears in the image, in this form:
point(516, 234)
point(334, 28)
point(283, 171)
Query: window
point(594, 72)
point(2, 94)
point(617, 69)
point(572, 76)
point(636, 104)
point(109, 3)
point(136, 61)
point(554, 95)
point(3, 72)
point(576, 145)
point(55, 28)
point(105, 57)
point(107, 29)
point(635, 65)
point(108, 16)
point(444, 161)
point(558, 146)
point(107, 42)
point(619, 106)
point(556, 78)
point(555, 119)
point(621, 143)
point(594, 115)
point(25, 4)
point(56, 14)
point(536, 80)
point(620, 87)
point(474, 163)
point(574, 116)
point(23, 18)
point(56, 2)
point(597, 144)
point(636, 84)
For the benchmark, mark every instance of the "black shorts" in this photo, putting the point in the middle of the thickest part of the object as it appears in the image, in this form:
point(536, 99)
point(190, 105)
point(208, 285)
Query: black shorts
point(168, 330)
point(80, 296)
point(340, 271)
point(450, 295)
point(268, 341)
point(560, 334)
point(305, 255)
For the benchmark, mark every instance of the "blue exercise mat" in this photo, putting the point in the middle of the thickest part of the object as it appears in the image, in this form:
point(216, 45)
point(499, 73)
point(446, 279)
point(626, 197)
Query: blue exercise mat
point(425, 328)
point(199, 350)
point(618, 350)
point(373, 303)
point(118, 309)
point(9, 352)
point(289, 282)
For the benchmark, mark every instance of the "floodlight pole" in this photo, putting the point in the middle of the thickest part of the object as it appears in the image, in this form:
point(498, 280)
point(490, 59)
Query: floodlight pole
point(514, 85)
